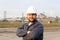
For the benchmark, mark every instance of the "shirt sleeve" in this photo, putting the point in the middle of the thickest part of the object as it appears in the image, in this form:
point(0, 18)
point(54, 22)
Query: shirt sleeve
point(21, 32)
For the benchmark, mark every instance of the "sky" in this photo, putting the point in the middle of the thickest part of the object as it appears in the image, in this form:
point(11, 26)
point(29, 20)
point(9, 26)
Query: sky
point(15, 8)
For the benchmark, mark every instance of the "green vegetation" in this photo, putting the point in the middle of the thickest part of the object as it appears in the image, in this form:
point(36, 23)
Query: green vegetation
point(9, 24)
point(52, 25)
point(18, 24)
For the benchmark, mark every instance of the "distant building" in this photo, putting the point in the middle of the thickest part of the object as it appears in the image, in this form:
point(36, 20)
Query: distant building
point(14, 19)
point(41, 15)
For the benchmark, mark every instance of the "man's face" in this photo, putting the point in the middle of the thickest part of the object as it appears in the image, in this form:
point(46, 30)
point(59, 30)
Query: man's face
point(31, 17)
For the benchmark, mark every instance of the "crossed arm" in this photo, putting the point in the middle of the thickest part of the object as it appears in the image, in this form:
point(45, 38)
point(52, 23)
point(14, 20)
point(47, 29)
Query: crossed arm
point(29, 34)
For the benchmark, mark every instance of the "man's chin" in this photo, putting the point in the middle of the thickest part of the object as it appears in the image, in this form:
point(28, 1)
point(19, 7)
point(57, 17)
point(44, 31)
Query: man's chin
point(31, 20)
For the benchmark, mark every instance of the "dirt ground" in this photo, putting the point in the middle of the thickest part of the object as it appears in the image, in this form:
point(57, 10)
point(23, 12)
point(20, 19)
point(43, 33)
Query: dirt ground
point(48, 35)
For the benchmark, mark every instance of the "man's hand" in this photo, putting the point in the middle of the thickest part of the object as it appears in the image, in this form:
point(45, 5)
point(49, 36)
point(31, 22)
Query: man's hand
point(28, 32)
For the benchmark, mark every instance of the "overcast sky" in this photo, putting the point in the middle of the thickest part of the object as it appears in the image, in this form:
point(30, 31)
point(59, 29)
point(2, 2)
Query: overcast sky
point(15, 8)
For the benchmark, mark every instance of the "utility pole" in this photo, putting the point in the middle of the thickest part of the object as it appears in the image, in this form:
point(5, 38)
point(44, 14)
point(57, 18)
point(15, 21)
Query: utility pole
point(5, 20)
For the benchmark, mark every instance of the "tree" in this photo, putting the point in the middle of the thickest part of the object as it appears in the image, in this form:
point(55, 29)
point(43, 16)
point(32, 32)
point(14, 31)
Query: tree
point(56, 19)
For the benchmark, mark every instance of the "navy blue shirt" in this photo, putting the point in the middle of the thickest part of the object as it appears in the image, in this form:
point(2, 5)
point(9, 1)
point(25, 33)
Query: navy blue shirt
point(36, 31)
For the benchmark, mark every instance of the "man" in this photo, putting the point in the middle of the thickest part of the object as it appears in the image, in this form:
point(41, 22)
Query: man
point(32, 30)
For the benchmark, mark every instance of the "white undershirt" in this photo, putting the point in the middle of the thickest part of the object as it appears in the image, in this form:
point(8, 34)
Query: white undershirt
point(30, 23)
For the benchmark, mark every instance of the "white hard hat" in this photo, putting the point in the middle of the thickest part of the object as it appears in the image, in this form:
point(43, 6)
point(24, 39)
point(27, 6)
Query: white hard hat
point(31, 9)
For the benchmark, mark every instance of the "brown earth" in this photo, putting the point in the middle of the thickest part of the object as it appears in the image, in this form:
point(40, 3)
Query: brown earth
point(10, 34)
